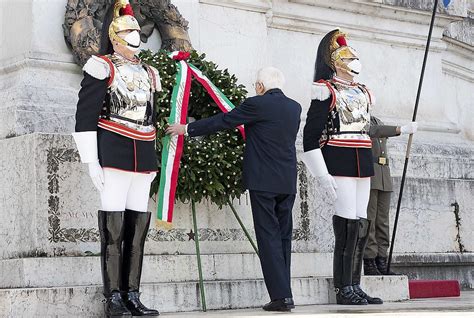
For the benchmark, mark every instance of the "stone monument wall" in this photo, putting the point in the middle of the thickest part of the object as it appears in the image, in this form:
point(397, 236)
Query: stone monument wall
point(48, 204)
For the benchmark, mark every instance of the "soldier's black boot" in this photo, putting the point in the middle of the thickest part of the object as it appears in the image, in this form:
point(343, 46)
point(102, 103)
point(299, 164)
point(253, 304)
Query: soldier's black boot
point(345, 233)
point(370, 268)
point(363, 236)
point(381, 263)
point(136, 229)
point(111, 237)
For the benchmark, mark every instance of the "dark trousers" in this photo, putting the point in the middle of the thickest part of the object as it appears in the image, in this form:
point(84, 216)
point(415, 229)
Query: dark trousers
point(379, 234)
point(273, 224)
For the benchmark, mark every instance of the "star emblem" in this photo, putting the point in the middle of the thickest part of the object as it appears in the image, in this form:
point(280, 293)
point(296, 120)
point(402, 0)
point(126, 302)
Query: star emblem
point(191, 235)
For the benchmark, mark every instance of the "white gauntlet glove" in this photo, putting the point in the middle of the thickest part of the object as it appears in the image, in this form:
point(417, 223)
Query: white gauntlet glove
point(97, 175)
point(409, 128)
point(86, 142)
point(330, 183)
point(314, 161)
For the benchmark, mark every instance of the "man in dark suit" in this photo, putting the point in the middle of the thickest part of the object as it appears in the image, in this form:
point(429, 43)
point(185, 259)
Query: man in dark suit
point(269, 173)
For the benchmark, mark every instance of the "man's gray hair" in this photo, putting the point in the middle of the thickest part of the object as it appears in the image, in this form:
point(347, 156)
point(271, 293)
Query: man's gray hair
point(270, 77)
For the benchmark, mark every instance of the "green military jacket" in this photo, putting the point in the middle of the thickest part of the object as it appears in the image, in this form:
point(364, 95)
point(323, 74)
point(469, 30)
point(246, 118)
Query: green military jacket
point(379, 132)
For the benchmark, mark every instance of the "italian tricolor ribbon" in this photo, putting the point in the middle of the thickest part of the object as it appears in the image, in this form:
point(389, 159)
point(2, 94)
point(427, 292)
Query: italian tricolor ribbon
point(173, 145)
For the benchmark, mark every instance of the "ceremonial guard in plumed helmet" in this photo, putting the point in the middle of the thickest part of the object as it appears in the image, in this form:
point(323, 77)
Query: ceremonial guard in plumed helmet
point(115, 136)
point(337, 149)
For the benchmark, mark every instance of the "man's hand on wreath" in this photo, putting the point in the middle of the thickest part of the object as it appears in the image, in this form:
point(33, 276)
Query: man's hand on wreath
point(176, 129)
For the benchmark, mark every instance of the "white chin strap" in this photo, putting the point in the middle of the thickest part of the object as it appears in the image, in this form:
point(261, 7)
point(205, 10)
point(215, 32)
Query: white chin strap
point(133, 40)
point(355, 67)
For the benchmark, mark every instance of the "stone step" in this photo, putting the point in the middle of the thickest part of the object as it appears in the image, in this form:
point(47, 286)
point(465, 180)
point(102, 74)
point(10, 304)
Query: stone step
point(85, 301)
point(84, 271)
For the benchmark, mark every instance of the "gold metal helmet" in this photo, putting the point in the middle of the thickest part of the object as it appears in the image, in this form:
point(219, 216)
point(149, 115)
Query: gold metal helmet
point(123, 20)
point(339, 50)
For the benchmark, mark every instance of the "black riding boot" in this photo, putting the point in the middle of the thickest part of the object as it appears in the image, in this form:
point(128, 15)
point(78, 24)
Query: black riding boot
point(345, 232)
point(111, 236)
point(381, 263)
point(136, 229)
point(363, 236)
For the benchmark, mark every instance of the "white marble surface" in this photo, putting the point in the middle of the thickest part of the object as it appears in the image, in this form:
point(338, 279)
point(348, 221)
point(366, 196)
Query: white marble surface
point(70, 271)
point(60, 204)
point(52, 208)
point(17, 197)
point(415, 308)
point(170, 297)
point(48, 204)
point(244, 36)
point(31, 101)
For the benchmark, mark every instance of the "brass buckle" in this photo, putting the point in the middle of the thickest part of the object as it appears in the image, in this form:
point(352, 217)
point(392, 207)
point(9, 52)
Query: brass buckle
point(382, 161)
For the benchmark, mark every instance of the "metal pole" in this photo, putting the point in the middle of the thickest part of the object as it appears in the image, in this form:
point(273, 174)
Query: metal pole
point(243, 226)
point(198, 254)
point(410, 138)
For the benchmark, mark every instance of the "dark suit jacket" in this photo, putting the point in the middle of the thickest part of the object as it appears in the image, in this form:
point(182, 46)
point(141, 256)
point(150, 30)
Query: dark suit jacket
point(379, 132)
point(271, 125)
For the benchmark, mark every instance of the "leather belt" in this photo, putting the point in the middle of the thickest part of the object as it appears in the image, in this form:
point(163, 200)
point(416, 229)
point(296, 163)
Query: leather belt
point(137, 122)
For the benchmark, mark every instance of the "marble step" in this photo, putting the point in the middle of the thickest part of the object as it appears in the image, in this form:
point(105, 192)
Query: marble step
point(78, 271)
point(85, 301)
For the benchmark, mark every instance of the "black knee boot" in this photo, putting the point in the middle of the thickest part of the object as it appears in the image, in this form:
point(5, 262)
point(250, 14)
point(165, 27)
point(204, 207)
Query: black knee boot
point(111, 237)
point(345, 233)
point(363, 236)
point(136, 229)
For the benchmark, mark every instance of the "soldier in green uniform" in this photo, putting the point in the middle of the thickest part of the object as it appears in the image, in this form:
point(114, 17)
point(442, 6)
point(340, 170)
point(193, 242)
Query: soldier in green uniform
point(375, 255)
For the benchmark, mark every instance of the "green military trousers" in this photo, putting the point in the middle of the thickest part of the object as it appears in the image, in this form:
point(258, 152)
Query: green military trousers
point(378, 212)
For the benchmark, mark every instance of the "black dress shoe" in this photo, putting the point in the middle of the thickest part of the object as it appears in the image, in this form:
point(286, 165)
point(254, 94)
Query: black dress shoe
point(370, 268)
point(371, 300)
point(285, 304)
point(381, 263)
point(346, 296)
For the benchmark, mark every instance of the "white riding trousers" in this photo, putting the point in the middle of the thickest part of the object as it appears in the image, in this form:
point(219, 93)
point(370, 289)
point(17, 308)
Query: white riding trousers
point(126, 190)
point(352, 197)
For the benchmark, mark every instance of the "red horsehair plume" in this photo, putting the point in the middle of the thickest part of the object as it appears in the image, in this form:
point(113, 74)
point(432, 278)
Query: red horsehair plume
point(127, 10)
point(341, 40)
